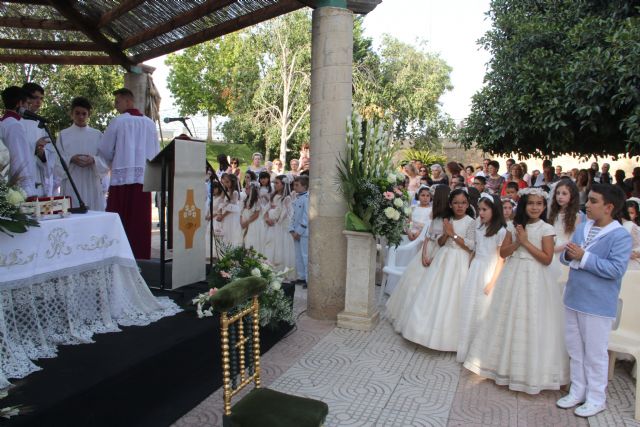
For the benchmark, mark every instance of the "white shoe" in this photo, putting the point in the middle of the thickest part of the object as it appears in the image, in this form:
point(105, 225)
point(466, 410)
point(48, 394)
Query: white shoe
point(589, 409)
point(568, 402)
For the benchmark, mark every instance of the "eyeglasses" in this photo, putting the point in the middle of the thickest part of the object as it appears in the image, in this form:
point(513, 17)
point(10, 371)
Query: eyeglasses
point(234, 163)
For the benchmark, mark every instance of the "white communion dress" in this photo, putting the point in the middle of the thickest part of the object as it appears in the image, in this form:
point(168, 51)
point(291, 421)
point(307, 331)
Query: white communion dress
point(475, 304)
point(521, 341)
point(413, 276)
point(634, 230)
point(433, 314)
point(279, 245)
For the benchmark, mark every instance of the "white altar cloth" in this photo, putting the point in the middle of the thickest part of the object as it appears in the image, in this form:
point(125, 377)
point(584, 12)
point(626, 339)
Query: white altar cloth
point(64, 281)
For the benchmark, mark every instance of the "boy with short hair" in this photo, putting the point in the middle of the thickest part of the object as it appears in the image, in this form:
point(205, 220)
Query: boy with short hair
point(598, 255)
point(511, 191)
point(299, 227)
point(480, 183)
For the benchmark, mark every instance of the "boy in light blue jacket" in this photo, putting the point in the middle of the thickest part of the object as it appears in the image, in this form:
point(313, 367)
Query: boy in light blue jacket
point(598, 255)
point(299, 227)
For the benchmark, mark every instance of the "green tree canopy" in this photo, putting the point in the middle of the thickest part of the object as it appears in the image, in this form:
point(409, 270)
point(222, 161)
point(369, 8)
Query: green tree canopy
point(64, 82)
point(564, 79)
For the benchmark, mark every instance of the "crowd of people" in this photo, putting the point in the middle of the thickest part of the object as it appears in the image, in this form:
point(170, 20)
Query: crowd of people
point(265, 208)
point(519, 273)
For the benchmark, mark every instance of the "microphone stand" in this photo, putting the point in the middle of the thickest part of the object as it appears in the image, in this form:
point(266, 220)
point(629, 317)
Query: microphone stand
point(184, 122)
point(82, 208)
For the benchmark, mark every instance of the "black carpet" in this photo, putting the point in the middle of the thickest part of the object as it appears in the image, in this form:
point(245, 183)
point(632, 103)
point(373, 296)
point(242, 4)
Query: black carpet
point(142, 376)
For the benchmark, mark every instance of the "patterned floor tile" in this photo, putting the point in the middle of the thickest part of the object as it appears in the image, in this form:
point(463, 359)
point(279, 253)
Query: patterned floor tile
point(419, 402)
point(354, 413)
point(473, 406)
point(432, 369)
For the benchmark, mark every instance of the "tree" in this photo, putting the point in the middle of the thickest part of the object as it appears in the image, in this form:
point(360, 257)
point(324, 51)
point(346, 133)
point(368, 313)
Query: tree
point(405, 82)
point(564, 79)
point(282, 100)
point(64, 82)
point(212, 78)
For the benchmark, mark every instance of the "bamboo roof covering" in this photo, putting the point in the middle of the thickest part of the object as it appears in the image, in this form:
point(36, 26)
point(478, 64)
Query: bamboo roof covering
point(127, 32)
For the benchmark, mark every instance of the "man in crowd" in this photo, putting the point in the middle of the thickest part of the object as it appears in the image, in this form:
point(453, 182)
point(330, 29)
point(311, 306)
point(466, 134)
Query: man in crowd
point(12, 132)
point(128, 142)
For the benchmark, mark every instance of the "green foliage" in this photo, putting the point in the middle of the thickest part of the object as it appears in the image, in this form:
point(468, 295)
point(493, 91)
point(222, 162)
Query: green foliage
point(64, 82)
point(213, 78)
point(564, 79)
point(403, 83)
point(242, 151)
point(427, 157)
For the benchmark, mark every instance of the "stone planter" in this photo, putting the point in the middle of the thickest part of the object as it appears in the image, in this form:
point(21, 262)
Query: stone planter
point(360, 311)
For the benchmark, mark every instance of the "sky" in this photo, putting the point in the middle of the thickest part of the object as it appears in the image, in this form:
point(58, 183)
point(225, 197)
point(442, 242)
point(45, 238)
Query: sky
point(451, 29)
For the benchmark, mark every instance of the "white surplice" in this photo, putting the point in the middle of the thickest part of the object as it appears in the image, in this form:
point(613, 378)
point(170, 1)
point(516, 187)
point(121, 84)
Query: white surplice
point(21, 158)
point(83, 140)
point(128, 142)
point(43, 171)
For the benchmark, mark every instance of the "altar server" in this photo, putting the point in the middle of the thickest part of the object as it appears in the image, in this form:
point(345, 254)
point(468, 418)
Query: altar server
point(128, 142)
point(14, 138)
point(597, 256)
point(78, 145)
point(43, 153)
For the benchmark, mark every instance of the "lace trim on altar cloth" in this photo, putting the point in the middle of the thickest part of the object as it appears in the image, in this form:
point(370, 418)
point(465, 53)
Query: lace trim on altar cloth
point(124, 176)
point(69, 309)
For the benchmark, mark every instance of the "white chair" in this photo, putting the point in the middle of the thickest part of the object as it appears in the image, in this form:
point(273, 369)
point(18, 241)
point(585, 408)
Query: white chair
point(626, 338)
point(397, 261)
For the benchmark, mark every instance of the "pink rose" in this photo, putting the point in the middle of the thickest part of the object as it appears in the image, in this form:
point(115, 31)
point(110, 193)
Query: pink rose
point(398, 192)
point(213, 291)
point(388, 195)
point(225, 274)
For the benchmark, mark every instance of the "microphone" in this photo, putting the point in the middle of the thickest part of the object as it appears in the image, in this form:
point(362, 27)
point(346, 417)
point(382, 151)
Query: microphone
point(175, 119)
point(28, 115)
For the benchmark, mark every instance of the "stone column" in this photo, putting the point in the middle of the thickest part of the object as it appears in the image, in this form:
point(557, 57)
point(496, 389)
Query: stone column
point(136, 82)
point(331, 80)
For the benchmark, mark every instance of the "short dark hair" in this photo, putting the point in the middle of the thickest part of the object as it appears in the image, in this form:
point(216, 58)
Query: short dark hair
point(546, 162)
point(304, 173)
point(31, 87)
point(513, 186)
point(12, 95)
point(611, 194)
point(81, 102)
point(495, 164)
point(302, 180)
point(480, 178)
point(123, 92)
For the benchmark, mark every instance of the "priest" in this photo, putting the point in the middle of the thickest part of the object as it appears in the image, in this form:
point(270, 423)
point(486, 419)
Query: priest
point(78, 146)
point(128, 142)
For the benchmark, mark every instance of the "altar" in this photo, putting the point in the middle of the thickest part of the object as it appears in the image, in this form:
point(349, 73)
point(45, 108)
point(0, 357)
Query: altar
point(65, 281)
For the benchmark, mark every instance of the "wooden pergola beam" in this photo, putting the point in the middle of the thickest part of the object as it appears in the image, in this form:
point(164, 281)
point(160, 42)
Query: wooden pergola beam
point(197, 12)
point(227, 27)
point(58, 59)
point(36, 24)
point(113, 14)
point(90, 29)
point(49, 45)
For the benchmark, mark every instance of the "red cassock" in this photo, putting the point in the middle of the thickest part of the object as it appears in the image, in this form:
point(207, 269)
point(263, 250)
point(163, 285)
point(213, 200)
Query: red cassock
point(134, 207)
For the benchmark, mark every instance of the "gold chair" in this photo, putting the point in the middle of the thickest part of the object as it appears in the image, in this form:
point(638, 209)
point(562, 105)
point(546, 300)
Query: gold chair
point(240, 333)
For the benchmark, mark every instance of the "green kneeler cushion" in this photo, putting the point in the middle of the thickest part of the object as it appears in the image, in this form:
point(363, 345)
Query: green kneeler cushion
point(237, 292)
point(269, 408)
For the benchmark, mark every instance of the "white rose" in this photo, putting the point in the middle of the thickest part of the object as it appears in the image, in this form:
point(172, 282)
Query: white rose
point(265, 266)
point(256, 272)
point(276, 285)
point(398, 202)
point(396, 215)
point(389, 212)
point(14, 197)
point(407, 211)
point(391, 178)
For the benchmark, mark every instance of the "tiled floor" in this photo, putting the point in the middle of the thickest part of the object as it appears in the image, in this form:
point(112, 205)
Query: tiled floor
point(379, 379)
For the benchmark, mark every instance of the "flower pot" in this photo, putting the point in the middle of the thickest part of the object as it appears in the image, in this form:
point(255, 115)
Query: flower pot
point(360, 311)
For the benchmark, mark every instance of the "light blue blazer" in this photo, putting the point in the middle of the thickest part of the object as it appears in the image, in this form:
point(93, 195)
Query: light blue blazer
point(593, 288)
point(300, 219)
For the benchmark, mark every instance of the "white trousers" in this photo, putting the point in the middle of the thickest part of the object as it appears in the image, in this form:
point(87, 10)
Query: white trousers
point(587, 338)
